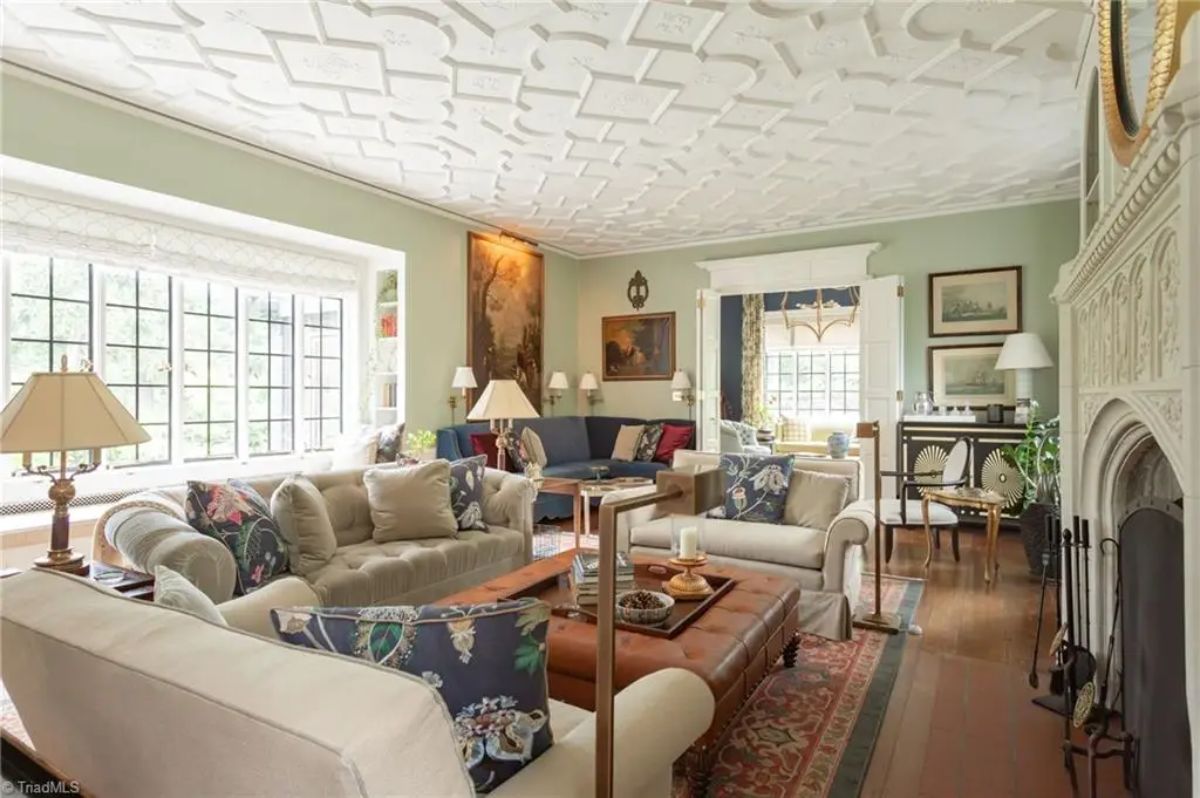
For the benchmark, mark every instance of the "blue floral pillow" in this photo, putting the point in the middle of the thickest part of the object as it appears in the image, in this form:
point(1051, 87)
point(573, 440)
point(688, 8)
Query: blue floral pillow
point(234, 513)
point(755, 487)
point(488, 662)
point(466, 492)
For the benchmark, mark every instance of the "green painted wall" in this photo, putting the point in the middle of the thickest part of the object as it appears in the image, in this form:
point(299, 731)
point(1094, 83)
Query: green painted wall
point(63, 130)
point(1038, 237)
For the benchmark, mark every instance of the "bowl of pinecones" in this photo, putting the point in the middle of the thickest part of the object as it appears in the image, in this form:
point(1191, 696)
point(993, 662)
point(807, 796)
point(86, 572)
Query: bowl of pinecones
point(644, 606)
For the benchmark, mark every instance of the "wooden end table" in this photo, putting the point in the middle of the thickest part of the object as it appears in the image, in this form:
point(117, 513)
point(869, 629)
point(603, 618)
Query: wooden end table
point(985, 501)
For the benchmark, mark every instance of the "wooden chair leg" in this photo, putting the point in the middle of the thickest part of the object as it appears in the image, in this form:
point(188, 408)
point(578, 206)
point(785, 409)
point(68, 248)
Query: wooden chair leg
point(887, 544)
point(954, 540)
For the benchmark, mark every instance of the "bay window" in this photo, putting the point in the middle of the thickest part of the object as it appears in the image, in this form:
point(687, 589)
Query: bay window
point(211, 370)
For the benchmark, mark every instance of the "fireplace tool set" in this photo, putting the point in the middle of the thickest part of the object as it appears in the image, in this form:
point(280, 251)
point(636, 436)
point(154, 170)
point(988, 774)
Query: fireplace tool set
point(1078, 692)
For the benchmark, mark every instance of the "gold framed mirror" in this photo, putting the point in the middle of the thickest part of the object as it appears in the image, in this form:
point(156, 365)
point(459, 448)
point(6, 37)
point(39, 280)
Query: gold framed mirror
point(1139, 54)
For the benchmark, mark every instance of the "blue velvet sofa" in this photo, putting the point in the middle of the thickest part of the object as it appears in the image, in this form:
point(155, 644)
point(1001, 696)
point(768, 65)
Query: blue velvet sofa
point(573, 444)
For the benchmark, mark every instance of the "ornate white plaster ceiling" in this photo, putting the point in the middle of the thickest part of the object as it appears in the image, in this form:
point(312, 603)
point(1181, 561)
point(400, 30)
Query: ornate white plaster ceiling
point(607, 126)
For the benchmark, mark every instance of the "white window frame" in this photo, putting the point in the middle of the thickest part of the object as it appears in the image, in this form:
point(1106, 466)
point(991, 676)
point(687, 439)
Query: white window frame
point(771, 396)
point(17, 487)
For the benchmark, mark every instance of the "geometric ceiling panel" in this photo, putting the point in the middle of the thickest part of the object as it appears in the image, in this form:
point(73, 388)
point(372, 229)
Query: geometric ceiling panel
point(608, 126)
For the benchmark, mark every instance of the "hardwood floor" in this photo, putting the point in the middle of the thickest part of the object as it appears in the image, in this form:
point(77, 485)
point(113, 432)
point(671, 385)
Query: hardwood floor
point(960, 723)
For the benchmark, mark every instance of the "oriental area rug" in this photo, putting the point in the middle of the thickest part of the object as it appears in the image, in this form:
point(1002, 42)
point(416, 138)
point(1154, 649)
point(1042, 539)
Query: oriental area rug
point(809, 731)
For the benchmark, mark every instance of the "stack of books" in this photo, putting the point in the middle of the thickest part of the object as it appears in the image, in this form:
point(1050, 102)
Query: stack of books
point(585, 577)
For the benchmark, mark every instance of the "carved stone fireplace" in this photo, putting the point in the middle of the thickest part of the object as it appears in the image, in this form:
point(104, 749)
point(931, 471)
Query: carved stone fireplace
point(1129, 330)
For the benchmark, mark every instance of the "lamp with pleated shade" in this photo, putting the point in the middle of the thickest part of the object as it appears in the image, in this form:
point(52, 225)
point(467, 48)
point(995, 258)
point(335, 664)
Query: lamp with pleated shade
point(500, 403)
point(65, 411)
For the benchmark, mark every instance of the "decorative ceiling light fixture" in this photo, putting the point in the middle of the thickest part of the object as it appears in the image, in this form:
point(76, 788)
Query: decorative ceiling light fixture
point(829, 314)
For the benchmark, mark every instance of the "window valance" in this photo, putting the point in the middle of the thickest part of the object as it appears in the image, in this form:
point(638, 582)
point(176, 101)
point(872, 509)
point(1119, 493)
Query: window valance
point(67, 230)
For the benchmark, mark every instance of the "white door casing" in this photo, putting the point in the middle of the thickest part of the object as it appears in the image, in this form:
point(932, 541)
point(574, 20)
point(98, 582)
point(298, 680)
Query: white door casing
point(708, 377)
point(881, 370)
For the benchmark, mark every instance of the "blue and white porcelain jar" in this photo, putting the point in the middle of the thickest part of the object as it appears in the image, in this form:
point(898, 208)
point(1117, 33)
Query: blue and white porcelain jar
point(838, 445)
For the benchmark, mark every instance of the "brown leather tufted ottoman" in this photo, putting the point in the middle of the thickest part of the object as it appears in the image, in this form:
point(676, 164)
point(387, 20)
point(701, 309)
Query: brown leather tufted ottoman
point(730, 646)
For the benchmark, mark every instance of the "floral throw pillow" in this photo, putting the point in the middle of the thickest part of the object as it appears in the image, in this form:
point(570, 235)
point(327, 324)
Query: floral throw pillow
point(466, 492)
point(648, 444)
point(234, 513)
point(488, 662)
point(755, 487)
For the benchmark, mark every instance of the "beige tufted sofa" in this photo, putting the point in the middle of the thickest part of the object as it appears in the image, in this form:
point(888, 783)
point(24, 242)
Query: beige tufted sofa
point(148, 529)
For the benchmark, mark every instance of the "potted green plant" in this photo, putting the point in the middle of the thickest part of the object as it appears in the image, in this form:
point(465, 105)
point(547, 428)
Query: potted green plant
point(422, 444)
point(1036, 457)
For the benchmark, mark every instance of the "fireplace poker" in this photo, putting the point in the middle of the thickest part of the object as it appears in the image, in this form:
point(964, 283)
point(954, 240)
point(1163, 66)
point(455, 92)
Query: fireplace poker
point(1112, 632)
point(1037, 639)
point(1086, 598)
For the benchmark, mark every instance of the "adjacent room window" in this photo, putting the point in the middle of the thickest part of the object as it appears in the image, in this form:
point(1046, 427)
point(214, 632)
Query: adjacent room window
point(137, 358)
point(812, 381)
point(322, 371)
point(212, 371)
point(269, 335)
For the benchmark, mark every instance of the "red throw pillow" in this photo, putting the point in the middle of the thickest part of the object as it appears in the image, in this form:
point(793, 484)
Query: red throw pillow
point(485, 443)
point(674, 436)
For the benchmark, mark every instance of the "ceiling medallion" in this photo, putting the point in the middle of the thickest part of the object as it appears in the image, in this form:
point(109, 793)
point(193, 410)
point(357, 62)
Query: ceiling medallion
point(638, 291)
point(828, 314)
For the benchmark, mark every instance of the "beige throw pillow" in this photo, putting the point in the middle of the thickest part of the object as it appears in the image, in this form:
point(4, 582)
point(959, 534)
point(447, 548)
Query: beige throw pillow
point(533, 446)
point(814, 499)
point(300, 513)
point(411, 503)
point(627, 440)
point(172, 589)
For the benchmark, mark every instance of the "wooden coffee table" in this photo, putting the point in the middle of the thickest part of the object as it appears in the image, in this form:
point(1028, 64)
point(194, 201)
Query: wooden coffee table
point(731, 645)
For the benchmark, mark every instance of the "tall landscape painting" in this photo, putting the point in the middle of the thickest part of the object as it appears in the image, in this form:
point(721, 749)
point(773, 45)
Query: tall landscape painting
point(505, 312)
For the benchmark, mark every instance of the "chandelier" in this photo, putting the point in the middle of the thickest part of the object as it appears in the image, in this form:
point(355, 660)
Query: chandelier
point(828, 314)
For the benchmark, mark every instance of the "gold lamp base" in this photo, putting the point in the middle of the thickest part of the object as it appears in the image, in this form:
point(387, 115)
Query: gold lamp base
point(687, 585)
point(64, 560)
point(888, 622)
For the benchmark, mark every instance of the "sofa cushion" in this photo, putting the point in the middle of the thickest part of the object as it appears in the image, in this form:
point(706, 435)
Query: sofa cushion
point(647, 445)
point(411, 503)
point(303, 519)
point(235, 514)
point(534, 449)
point(674, 436)
point(488, 662)
point(174, 590)
point(626, 445)
point(380, 573)
point(564, 438)
point(484, 443)
point(466, 492)
point(814, 499)
point(602, 434)
point(795, 546)
point(756, 487)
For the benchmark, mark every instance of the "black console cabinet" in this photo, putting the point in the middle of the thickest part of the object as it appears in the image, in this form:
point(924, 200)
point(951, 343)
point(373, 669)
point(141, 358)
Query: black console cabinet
point(924, 445)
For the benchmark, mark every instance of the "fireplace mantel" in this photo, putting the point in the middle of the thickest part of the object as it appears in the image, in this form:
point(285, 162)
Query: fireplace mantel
point(1129, 340)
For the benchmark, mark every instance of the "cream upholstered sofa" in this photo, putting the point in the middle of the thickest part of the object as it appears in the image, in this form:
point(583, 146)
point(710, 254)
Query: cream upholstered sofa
point(827, 563)
point(148, 529)
point(135, 699)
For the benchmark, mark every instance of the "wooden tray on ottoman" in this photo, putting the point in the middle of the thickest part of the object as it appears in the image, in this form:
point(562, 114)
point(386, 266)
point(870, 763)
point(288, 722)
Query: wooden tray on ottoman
point(555, 590)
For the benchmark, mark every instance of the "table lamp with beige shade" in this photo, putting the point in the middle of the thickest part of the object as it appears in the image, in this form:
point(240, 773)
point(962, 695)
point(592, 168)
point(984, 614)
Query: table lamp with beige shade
point(65, 411)
point(501, 402)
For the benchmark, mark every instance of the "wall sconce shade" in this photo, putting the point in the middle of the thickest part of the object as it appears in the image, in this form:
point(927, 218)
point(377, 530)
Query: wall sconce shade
point(558, 382)
point(680, 381)
point(588, 382)
point(464, 377)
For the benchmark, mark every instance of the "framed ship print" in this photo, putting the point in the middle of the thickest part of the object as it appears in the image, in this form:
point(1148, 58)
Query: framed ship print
point(980, 302)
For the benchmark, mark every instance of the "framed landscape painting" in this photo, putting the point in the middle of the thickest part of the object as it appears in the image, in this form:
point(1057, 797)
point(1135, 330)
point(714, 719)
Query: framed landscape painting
point(505, 313)
point(966, 375)
point(638, 347)
point(981, 302)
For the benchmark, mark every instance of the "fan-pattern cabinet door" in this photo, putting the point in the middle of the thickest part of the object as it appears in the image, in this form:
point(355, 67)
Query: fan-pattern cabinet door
point(924, 446)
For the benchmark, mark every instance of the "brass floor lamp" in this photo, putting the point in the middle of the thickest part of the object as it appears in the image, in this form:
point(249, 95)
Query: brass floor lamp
point(682, 491)
point(878, 620)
